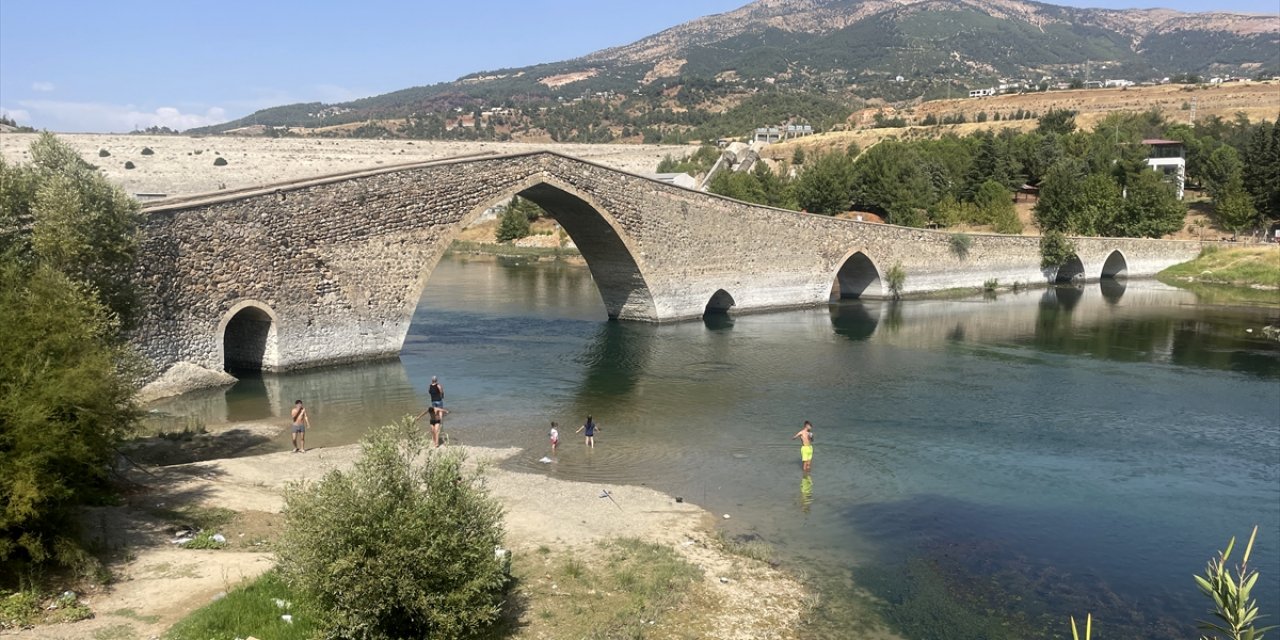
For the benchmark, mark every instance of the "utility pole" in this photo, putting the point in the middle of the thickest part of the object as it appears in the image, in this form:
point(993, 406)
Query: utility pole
point(1193, 112)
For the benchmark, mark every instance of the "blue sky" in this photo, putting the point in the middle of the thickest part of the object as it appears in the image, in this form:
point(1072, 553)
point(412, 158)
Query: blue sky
point(91, 65)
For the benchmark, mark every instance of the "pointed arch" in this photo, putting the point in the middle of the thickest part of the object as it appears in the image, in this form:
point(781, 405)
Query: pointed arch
point(857, 277)
point(248, 339)
point(1115, 266)
point(720, 303)
point(1070, 271)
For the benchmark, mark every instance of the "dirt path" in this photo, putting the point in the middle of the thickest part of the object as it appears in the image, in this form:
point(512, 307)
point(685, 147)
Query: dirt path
point(158, 583)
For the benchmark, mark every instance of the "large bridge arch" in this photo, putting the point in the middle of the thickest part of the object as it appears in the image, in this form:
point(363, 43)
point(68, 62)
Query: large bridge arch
point(857, 277)
point(248, 338)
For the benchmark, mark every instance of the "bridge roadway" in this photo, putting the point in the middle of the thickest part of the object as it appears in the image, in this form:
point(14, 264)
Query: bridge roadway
point(330, 270)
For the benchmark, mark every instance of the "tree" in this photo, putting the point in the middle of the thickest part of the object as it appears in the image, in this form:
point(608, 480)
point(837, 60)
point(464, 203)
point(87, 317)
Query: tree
point(60, 212)
point(1055, 250)
point(1261, 166)
point(825, 185)
point(892, 176)
point(403, 546)
point(1054, 209)
point(1234, 209)
point(513, 224)
point(1057, 121)
point(1222, 168)
point(1151, 209)
point(739, 186)
point(63, 407)
point(995, 205)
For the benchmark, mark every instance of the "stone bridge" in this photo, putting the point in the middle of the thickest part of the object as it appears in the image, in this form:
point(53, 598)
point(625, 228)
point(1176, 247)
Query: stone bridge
point(331, 270)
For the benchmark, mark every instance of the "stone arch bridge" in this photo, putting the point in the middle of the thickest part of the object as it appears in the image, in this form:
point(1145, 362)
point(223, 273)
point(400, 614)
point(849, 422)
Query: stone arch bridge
point(331, 270)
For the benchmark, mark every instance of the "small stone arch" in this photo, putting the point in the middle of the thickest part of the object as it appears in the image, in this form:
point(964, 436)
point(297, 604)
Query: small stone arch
point(1071, 270)
point(1115, 266)
point(248, 338)
point(719, 304)
point(857, 277)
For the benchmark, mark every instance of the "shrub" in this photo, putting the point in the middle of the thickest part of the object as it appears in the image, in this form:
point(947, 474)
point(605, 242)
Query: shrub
point(514, 222)
point(960, 243)
point(1055, 249)
point(402, 546)
point(1236, 614)
point(991, 284)
point(128, 164)
point(896, 278)
point(146, 151)
point(103, 153)
point(220, 162)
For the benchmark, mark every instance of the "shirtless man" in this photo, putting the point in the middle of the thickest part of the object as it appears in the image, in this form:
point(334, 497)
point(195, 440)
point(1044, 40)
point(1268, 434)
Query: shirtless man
point(300, 425)
point(806, 445)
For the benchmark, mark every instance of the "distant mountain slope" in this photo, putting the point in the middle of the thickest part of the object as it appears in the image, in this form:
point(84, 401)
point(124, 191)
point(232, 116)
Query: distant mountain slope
point(679, 82)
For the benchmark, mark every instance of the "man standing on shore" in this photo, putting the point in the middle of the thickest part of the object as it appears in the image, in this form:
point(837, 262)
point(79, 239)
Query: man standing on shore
point(300, 425)
point(437, 393)
point(806, 445)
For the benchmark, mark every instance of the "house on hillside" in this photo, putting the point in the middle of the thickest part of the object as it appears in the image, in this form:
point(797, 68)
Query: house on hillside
point(1169, 158)
point(982, 93)
point(768, 135)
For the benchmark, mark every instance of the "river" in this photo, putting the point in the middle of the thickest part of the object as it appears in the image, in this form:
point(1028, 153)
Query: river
point(984, 467)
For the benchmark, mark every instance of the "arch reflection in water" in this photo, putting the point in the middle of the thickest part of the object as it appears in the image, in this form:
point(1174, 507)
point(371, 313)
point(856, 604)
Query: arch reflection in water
point(1112, 289)
point(856, 320)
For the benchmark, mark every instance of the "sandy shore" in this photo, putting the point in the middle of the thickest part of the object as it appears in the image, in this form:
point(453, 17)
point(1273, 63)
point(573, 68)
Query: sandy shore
point(183, 165)
point(158, 583)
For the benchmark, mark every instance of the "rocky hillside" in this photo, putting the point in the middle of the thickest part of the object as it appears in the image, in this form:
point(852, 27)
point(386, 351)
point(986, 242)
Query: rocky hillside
point(688, 81)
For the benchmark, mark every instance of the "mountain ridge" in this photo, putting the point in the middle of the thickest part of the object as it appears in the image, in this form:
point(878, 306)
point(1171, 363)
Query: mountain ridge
point(841, 50)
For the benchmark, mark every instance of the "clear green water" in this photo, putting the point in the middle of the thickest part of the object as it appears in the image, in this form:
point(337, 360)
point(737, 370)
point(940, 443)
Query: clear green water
point(983, 468)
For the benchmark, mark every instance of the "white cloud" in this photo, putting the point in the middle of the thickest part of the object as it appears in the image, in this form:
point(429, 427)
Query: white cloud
point(44, 87)
point(101, 117)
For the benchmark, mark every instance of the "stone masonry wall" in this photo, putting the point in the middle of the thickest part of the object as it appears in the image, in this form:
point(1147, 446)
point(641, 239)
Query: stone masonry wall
point(339, 263)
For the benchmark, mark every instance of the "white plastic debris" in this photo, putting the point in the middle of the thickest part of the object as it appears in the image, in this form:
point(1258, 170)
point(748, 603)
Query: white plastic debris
point(219, 538)
point(545, 460)
point(287, 618)
point(726, 516)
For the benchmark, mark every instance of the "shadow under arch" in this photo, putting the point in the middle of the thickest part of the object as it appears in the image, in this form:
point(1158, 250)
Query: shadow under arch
point(603, 245)
point(855, 320)
point(1070, 271)
point(1112, 289)
point(719, 304)
point(1115, 266)
point(248, 339)
point(857, 277)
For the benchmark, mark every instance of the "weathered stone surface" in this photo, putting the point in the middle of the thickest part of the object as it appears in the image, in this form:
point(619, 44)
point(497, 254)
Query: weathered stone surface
point(330, 270)
point(181, 378)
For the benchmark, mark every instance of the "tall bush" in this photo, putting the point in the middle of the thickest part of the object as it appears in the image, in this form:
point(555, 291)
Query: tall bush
point(400, 547)
point(1055, 249)
point(513, 224)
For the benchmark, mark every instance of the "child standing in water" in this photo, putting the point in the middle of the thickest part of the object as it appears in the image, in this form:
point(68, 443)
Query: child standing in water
point(589, 427)
point(555, 436)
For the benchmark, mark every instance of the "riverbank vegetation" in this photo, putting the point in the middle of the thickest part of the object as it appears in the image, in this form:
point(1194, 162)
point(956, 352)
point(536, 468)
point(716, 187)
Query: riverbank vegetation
point(1234, 266)
point(1088, 183)
point(67, 245)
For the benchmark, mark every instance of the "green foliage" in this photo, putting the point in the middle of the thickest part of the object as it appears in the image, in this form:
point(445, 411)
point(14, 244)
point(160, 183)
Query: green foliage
point(699, 161)
point(103, 153)
point(991, 284)
point(739, 186)
point(59, 212)
point(995, 206)
point(204, 540)
point(1088, 628)
point(128, 164)
point(1234, 209)
point(1055, 249)
point(1150, 209)
point(63, 407)
point(798, 156)
point(1239, 266)
point(1222, 169)
point(1261, 156)
point(893, 177)
point(960, 243)
point(402, 546)
point(1057, 121)
point(825, 186)
point(513, 223)
point(896, 278)
point(1236, 614)
point(253, 609)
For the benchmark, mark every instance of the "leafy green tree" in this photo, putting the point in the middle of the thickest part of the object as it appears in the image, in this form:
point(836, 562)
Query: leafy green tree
point(402, 546)
point(1057, 121)
point(739, 186)
point(1261, 158)
point(1222, 167)
point(1151, 209)
point(1054, 209)
point(1095, 205)
point(892, 176)
point(60, 212)
point(995, 204)
point(1234, 209)
point(513, 224)
point(1055, 249)
point(63, 407)
point(777, 192)
point(825, 186)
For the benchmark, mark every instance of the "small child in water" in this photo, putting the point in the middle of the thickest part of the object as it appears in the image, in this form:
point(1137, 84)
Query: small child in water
point(555, 436)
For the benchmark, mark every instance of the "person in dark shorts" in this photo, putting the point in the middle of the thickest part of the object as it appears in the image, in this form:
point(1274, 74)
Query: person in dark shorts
point(437, 393)
point(436, 420)
point(300, 425)
point(589, 429)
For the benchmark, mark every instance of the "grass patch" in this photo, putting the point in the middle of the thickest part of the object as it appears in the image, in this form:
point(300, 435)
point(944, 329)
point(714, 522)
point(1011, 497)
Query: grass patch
point(1237, 266)
point(622, 594)
point(198, 518)
point(134, 615)
point(204, 540)
point(116, 632)
point(23, 609)
point(753, 549)
point(252, 610)
point(464, 246)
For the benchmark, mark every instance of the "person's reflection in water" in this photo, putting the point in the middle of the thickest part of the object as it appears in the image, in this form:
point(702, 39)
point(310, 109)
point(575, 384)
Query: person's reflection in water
point(806, 493)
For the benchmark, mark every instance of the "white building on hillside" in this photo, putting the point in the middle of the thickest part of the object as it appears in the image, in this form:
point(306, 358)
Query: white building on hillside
point(1167, 157)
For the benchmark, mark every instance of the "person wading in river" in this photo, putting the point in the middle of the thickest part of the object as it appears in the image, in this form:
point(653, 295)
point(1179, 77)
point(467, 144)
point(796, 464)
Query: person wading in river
point(806, 445)
point(436, 420)
point(300, 425)
point(437, 393)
